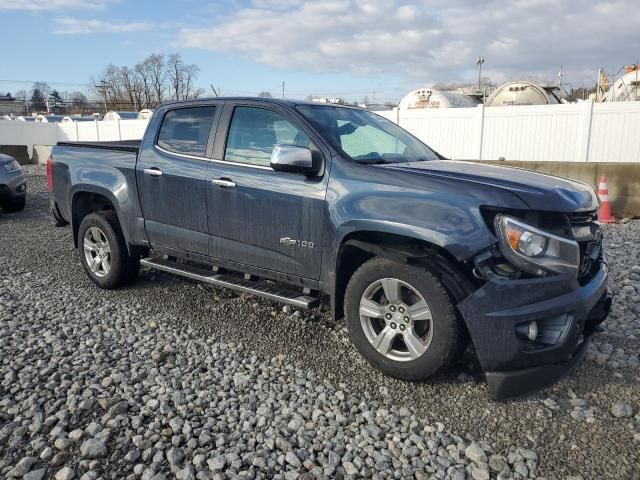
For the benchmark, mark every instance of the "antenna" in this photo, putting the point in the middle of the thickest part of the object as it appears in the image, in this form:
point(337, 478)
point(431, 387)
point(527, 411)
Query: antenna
point(560, 78)
point(214, 90)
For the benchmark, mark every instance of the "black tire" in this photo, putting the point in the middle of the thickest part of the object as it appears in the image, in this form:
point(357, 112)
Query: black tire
point(447, 337)
point(123, 267)
point(15, 204)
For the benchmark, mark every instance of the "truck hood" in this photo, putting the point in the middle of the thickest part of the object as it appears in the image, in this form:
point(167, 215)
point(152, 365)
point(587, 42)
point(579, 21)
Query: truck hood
point(539, 191)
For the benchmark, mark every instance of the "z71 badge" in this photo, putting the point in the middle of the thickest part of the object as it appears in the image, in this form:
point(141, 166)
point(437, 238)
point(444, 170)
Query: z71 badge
point(296, 243)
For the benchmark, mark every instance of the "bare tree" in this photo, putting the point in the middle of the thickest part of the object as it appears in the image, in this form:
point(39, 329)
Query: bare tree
point(181, 78)
point(190, 76)
point(23, 97)
point(174, 74)
point(158, 76)
point(152, 77)
point(78, 102)
point(147, 83)
point(131, 87)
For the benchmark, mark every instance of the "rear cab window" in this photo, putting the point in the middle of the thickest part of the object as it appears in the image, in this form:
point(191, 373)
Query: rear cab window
point(186, 130)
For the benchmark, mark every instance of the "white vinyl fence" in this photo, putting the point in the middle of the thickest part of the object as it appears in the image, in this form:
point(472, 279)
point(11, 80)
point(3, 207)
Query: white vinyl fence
point(33, 133)
point(579, 132)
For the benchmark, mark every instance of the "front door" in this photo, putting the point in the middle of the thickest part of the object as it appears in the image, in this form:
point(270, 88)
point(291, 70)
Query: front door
point(260, 217)
point(173, 178)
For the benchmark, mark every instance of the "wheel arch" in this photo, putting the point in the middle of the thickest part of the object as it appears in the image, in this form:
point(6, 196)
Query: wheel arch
point(89, 200)
point(358, 247)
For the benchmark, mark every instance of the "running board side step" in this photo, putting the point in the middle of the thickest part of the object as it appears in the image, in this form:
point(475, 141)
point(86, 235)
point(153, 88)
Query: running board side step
point(269, 291)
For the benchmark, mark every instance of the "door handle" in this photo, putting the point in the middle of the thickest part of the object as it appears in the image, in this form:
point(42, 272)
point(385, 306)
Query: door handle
point(154, 172)
point(224, 182)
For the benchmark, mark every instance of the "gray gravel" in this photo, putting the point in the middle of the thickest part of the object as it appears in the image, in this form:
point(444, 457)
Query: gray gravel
point(173, 379)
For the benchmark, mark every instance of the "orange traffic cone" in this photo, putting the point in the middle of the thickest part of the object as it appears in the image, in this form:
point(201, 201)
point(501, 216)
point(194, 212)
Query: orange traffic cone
point(604, 215)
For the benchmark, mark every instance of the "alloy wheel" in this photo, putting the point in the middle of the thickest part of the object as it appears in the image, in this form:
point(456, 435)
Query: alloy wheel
point(396, 319)
point(97, 252)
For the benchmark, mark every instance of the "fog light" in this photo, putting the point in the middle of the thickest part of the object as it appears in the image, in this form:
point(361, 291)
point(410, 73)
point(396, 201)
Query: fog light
point(528, 330)
point(21, 188)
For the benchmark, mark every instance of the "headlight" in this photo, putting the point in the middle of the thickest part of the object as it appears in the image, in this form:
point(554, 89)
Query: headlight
point(536, 251)
point(13, 166)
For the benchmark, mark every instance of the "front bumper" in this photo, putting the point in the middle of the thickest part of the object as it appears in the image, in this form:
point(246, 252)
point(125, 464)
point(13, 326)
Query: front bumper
point(565, 310)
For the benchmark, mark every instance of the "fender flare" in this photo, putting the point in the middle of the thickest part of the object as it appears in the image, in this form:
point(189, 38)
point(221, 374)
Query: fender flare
point(104, 192)
point(458, 284)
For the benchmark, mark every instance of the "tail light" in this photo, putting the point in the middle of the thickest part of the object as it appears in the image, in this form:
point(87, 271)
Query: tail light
point(49, 174)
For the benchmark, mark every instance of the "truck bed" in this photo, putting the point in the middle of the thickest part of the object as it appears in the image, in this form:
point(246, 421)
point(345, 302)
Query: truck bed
point(123, 145)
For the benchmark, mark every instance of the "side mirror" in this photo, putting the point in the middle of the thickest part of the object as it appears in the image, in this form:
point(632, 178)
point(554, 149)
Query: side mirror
point(293, 159)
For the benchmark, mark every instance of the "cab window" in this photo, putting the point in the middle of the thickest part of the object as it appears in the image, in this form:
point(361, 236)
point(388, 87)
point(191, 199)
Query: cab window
point(254, 132)
point(186, 130)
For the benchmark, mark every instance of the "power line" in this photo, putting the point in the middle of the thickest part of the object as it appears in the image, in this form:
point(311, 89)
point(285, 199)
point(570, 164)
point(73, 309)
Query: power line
point(70, 84)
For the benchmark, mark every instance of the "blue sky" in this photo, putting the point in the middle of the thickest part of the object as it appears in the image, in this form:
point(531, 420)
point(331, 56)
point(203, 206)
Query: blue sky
point(324, 47)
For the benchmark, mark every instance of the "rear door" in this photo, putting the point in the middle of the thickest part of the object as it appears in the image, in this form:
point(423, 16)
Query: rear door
point(260, 217)
point(172, 173)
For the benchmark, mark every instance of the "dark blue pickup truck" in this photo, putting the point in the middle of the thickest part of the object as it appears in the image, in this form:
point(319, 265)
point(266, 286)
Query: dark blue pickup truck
point(420, 255)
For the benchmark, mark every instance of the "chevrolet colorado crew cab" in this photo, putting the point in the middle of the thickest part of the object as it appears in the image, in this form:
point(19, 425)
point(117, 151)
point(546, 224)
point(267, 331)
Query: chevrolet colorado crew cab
point(289, 200)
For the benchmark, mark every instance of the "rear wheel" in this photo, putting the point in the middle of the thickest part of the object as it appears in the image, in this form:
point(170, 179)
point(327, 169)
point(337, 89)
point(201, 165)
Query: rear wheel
point(401, 319)
point(14, 205)
point(103, 251)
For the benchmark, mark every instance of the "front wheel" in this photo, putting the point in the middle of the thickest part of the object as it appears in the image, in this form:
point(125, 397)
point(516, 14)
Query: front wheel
point(103, 251)
point(401, 319)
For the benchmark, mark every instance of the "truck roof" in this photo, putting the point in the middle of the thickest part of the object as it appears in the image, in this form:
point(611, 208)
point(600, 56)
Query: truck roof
point(278, 101)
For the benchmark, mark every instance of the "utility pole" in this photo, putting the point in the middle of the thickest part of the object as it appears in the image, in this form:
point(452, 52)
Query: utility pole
point(479, 63)
point(636, 84)
point(283, 89)
point(103, 88)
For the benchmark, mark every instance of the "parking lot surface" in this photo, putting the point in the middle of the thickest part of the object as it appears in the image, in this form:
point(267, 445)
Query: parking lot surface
point(169, 378)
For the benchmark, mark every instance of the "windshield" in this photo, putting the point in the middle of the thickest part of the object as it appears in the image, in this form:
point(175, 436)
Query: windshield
point(365, 137)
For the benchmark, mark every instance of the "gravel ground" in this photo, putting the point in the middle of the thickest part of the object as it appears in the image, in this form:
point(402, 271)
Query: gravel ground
point(170, 378)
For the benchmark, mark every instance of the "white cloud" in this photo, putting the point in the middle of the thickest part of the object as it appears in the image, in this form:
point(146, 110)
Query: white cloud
point(37, 5)
point(71, 26)
point(428, 41)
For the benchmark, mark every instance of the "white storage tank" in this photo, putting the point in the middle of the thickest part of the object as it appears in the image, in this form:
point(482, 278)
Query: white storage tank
point(110, 116)
point(434, 99)
point(145, 114)
point(522, 92)
point(627, 87)
point(80, 118)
